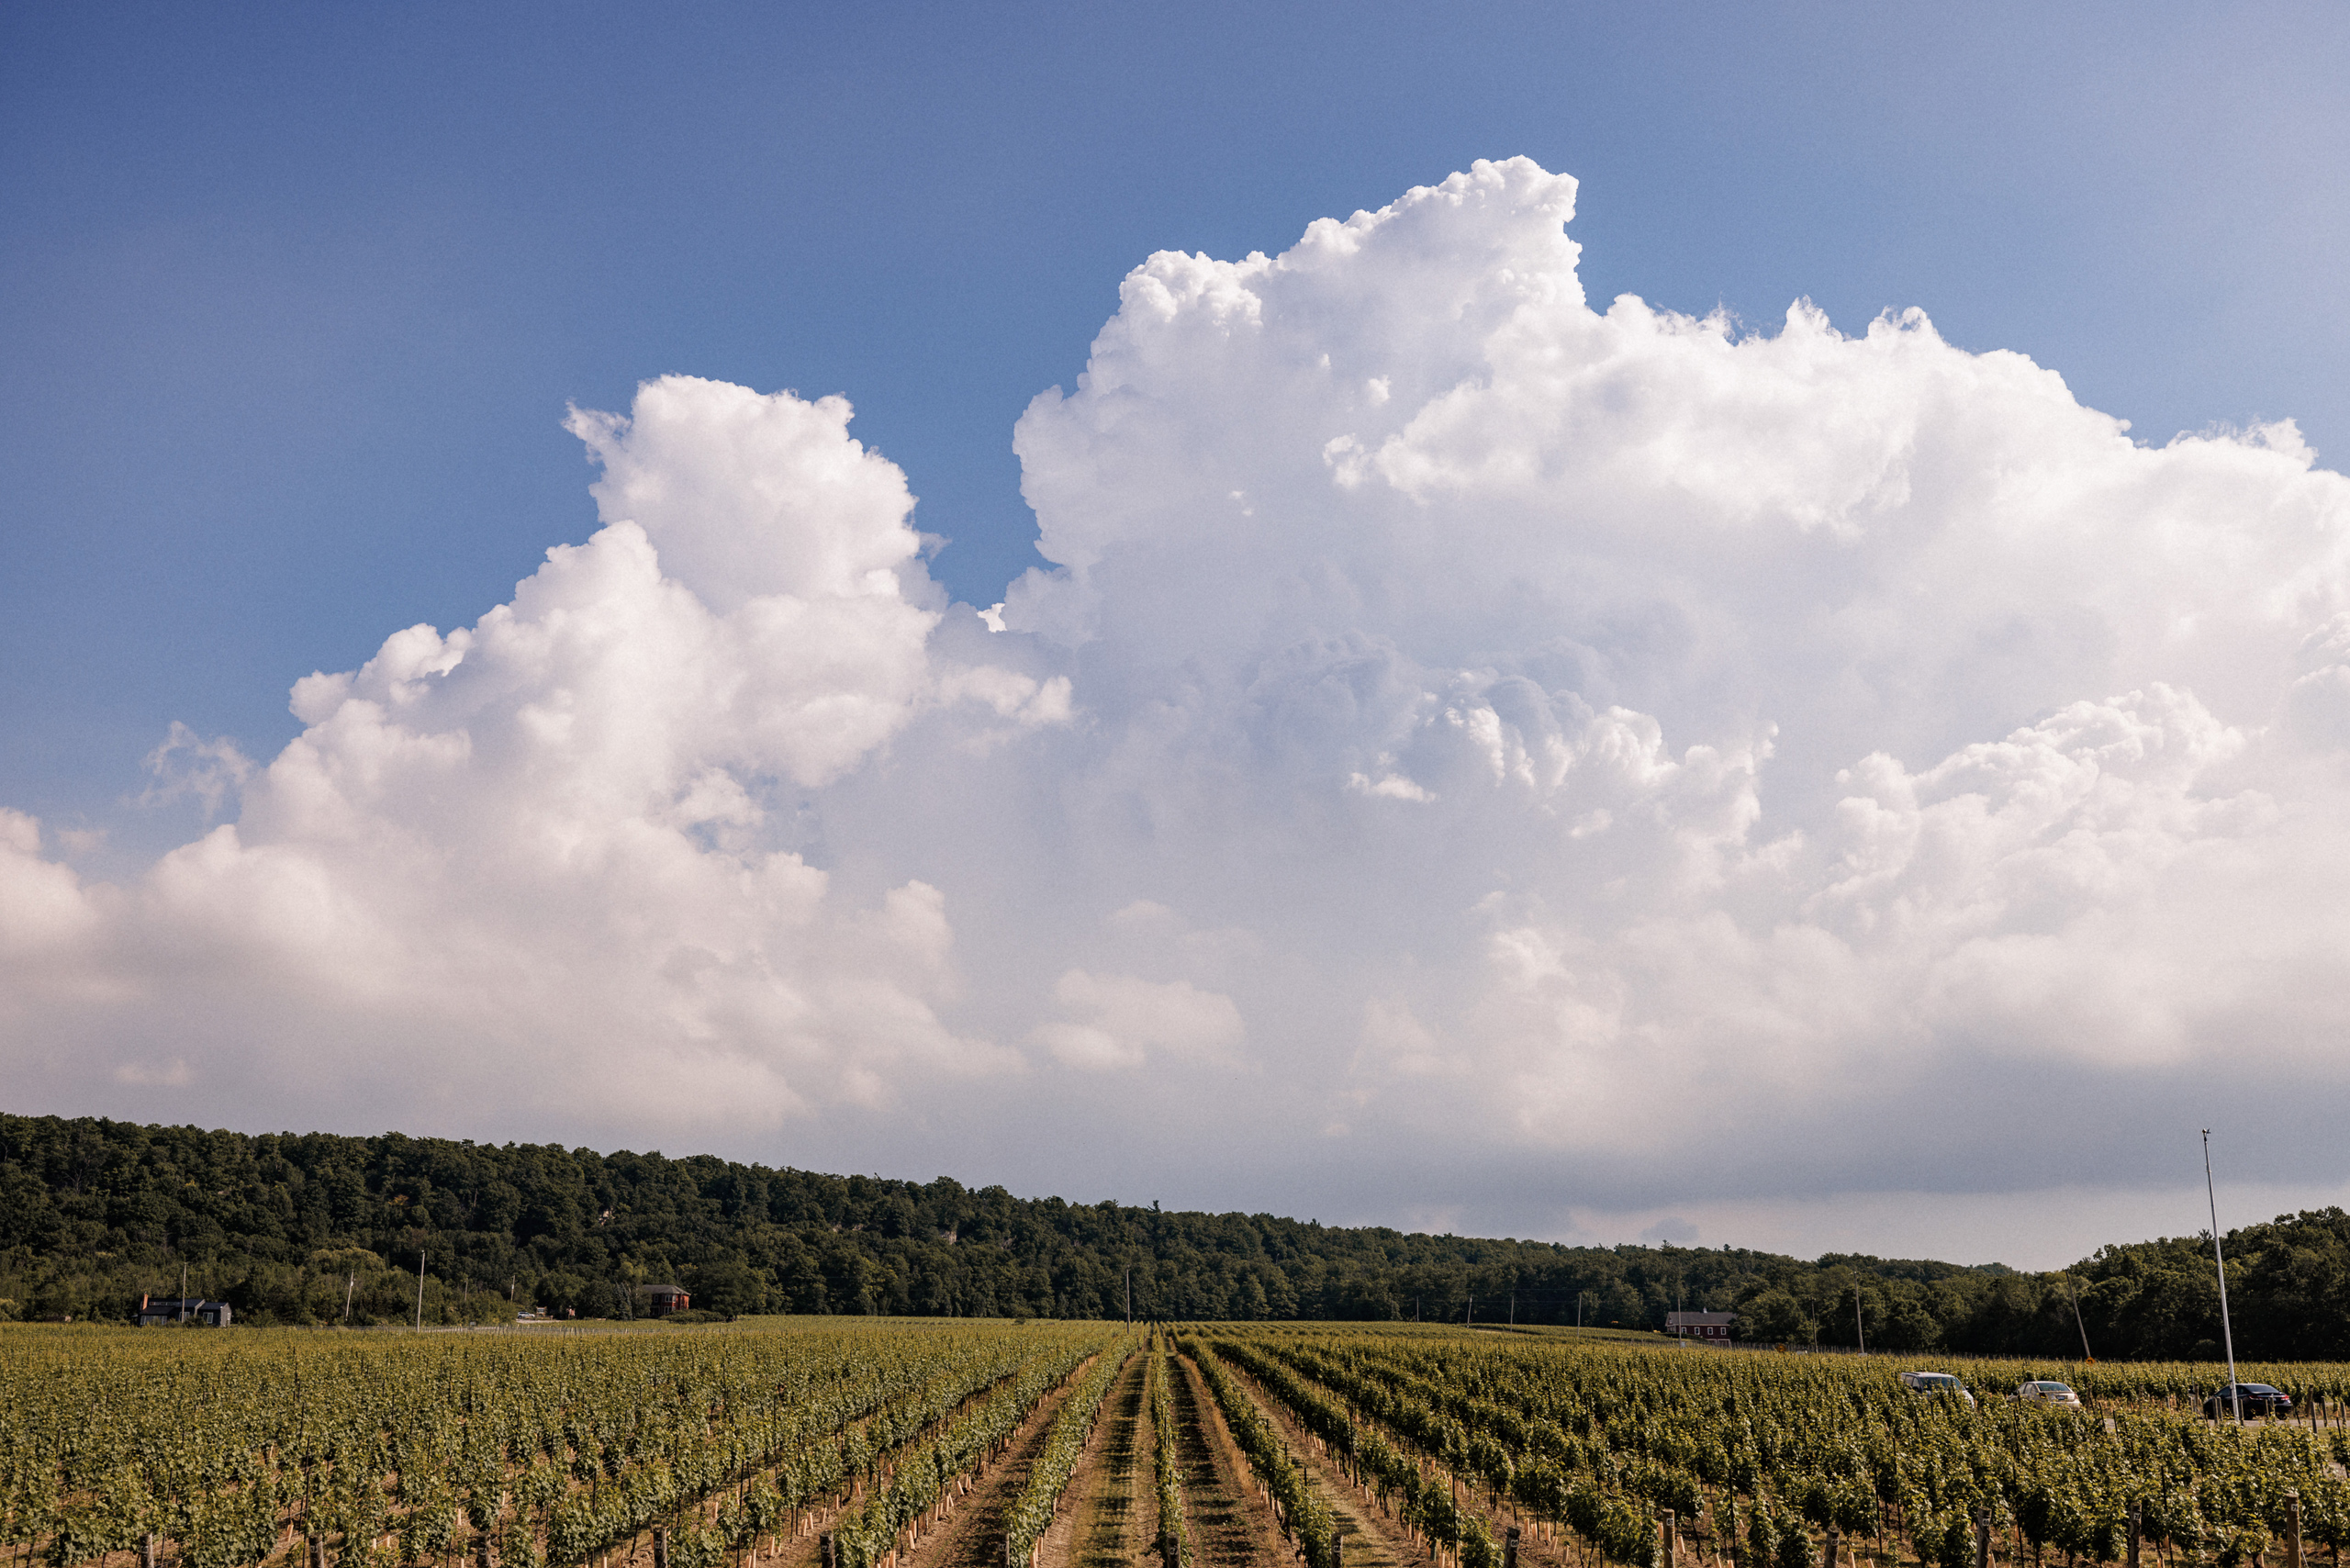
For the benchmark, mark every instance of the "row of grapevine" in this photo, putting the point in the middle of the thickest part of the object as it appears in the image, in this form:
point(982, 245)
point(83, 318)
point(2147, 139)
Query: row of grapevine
point(926, 1476)
point(1303, 1513)
point(670, 1487)
point(1169, 1465)
point(233, 1448)
point(1766, 1449)
point(1421, 1503)
point(1032, 1514)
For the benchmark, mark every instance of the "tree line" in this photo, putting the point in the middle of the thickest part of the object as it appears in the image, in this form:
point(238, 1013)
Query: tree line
point(316, 1227)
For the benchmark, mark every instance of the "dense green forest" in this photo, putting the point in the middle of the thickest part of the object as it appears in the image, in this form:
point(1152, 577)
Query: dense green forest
point(312, 1227)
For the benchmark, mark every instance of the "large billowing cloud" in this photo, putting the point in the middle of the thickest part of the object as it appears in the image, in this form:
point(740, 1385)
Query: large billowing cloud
point(1472, 758)
point(545, 863)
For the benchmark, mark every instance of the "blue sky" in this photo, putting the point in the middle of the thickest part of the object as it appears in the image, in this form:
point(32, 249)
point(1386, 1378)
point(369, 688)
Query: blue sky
point(294, 300)
point(297, 295)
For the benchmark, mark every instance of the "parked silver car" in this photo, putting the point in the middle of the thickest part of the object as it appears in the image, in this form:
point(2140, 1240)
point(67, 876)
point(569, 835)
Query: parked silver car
point(2047, 1391)
point(1937, 1383)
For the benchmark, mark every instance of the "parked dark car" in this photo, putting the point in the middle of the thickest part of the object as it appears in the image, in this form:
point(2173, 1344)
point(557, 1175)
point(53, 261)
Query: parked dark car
point(2257, 1399)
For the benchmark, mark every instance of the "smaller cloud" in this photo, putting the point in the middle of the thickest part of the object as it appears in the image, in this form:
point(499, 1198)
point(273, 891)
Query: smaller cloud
point(1022, 701)
point(1117, 1021)
point(186, 764)
point(1148, 917)
point(1088, 1049)
point(1396, 1043)
point(1389, 786)
point(173, 1074)
point(1146, 930)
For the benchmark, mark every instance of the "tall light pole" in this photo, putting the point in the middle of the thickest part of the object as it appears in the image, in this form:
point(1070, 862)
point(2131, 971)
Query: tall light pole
point(2227, 1335)
point(420, 1290)
point(1857, 1329)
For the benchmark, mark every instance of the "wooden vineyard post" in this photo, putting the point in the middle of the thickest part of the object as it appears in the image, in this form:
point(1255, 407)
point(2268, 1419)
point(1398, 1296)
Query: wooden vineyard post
point(1983, 1538)
point(1509, 1550)
point(2137, 1524)
point(147, 1549)
point(2293, 1529)
point(1828, 1558)
point(1670, 1521)
point(661, 1550)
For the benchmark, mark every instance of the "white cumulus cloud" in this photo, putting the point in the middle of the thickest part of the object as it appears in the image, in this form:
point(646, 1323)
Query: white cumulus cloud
point(548, 862)
point(1469, 752)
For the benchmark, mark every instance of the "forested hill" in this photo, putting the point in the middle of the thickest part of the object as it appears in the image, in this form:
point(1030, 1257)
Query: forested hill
point(288, 1226)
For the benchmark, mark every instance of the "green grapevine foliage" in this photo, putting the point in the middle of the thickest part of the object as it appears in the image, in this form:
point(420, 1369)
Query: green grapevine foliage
point(233, 1450)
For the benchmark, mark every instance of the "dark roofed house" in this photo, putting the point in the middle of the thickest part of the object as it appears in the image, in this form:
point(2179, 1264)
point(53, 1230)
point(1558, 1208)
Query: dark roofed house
point(155, 1311)
point(1709, 1326)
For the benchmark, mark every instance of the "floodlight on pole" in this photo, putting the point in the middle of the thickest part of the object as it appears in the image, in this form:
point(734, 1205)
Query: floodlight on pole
point(2227, 1334)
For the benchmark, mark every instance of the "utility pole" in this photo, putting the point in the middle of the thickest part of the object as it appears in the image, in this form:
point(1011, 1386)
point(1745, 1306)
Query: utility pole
point(1861, 1333)
point(183, 1294)
point(349, 1285)
point(2076, 1319)
point(420, 1290)
point(1469, 1316)
point(1578, 1309)
point(2227, 1334)
point(1130, 1298)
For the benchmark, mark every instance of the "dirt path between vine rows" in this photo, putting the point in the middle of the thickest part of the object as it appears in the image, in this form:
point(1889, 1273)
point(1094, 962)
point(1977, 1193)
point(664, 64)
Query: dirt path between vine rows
point(1368, 1537)
point(1229, 1522)
point(801, 1543)
point(1540, 1546)
point(971, 1535)
point(1107, 1514)
point(1537, 1545)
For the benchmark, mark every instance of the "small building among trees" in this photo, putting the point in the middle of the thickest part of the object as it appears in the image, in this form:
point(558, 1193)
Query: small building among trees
point(663, 1300)
point(155, 1312)
point(1709, 1326)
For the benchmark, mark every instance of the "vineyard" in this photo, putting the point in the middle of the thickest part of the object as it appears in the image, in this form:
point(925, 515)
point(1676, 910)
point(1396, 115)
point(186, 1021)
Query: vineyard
point(831, 1444)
